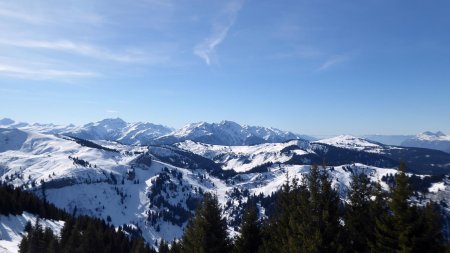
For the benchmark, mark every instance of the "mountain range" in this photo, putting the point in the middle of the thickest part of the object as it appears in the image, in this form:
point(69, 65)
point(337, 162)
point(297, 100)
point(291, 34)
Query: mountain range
point(223, 133)
point(102, 170)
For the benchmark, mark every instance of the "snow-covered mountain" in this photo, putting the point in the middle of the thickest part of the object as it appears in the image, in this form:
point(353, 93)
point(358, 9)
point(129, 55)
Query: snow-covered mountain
point(119, 130)
point(107, 129)
point(156, 188)
point(437, 140)
point(246, 158)
point(227, 133)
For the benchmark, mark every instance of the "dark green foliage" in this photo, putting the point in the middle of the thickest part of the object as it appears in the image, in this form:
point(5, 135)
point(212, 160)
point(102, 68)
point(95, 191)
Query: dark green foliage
point(359, 222)
point(15, 201)
point(207, 231)
point(163, 247)
point(80, 234)
point(250, 238)
point(91, 144)
point(175, 247)
point(307, 217)
point(405, 227)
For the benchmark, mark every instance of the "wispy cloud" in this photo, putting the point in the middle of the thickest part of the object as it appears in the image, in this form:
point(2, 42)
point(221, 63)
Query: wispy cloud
point(207, 49)
point(33, 73)
point(332, 61)
point(112, 111)
point(43, 14)
point(21, 16)
point(75, 47)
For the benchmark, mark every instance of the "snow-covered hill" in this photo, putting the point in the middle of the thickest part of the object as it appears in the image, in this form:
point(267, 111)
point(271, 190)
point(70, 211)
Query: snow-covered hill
point(155, 189)
point(354, 143)
point(227, 133)
point(437, 140)
point(246, 158)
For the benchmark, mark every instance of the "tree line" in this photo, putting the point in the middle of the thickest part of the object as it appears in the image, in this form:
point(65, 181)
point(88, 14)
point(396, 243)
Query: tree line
point(79, 234)
point(311, 218)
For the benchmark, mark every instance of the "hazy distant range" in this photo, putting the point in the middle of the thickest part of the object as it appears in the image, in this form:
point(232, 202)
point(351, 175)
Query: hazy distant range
point(395, 140)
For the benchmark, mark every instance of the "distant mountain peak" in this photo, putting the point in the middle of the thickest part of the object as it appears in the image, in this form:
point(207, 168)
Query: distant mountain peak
point(436, 134)
point(351, 142)
point(6, 121)
point(433, 140)
point(113, 122)
point(227, 133)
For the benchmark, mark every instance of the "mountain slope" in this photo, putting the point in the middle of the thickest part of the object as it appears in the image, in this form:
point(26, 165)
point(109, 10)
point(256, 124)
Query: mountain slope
point(119, 130)
point(155, 189)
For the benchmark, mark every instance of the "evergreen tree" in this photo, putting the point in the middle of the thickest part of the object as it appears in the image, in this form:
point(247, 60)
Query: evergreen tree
point(281, 233)
point(250, 237)
point(138, 246)
point(163, 247)
point(359, 222)
point(207, 231)
point(407, 228)
point(428, 235)
point(175, 247)
point(307, 217)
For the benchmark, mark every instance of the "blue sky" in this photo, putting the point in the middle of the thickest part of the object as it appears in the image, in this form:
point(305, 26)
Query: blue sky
point(312, 67)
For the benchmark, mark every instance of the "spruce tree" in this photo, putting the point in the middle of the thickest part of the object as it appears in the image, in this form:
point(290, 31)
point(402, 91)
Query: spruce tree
point(358, 220)
point(207, 231)
point(407, 228)
point(307, 217)
point(163, 247)
point(323, 223)
point(250, 237)
point(175, 247)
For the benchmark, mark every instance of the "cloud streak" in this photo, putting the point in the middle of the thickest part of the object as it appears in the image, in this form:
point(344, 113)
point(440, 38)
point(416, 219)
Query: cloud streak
point(207, 49)
point(23, 17)
point(332, 61)
point(74, 47)
point(39, 74)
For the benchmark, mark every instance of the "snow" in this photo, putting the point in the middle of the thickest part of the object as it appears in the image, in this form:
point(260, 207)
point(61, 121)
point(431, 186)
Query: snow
point(436, 187)
point(12, 226)
point(107, 129)
point(430, 136)
point(243, 158)
point(352, 142)
point(229, 133)
point(90, 189)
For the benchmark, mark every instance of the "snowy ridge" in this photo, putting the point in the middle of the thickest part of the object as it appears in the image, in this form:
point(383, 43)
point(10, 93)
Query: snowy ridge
point(245, 158)
point(352, 142)
point(227, 133)
point(107, 129)
point(430, 136)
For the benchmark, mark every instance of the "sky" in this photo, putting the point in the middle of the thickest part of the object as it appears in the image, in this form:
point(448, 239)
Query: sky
point(312, 67)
